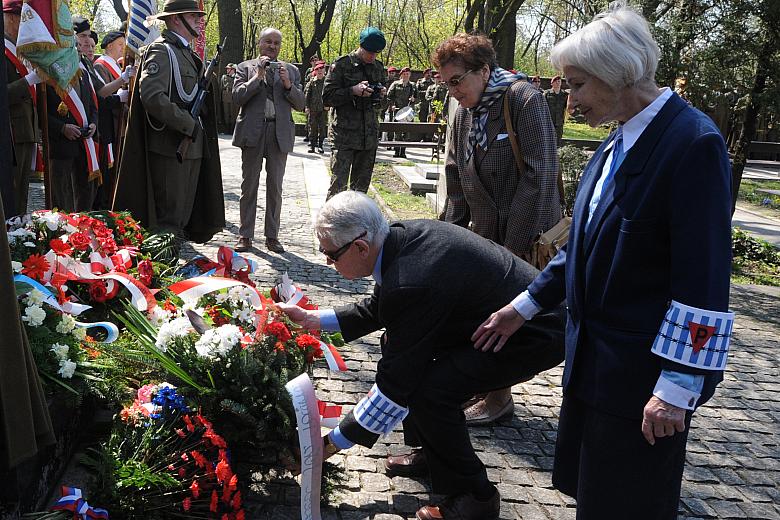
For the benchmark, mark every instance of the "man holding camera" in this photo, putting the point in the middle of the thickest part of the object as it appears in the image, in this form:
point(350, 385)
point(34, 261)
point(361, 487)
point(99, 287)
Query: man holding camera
point(266, 90)
point(354, 88)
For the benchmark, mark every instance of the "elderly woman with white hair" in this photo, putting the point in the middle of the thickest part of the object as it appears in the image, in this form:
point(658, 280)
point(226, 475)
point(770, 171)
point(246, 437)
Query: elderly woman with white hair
point(645, 275)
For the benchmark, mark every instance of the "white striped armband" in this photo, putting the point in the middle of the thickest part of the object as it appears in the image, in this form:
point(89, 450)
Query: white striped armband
point(378, 414)
point(695, 337)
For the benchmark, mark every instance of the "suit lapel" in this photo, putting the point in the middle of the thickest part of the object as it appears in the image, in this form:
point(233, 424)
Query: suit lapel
point(470, 177)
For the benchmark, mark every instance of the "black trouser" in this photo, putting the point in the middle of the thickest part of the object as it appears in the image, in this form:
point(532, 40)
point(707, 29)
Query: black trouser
point(436, 421)
point(605, 463)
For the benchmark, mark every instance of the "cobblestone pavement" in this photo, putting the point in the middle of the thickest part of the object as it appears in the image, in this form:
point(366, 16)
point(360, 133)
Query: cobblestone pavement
point(733, 468)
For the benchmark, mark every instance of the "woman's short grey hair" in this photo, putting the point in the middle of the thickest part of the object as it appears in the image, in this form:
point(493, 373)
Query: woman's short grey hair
point(616, 47)
point(348, 214)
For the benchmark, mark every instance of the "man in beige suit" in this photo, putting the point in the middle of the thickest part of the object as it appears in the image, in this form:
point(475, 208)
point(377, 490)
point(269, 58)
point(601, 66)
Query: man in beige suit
point(266, 90)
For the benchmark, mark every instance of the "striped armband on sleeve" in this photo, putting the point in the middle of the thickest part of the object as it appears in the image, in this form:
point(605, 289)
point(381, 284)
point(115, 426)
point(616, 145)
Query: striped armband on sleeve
point(377, 413)
point(695, 337)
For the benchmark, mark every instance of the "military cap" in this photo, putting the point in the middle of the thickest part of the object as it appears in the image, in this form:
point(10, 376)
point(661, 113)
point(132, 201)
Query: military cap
point(372, 39)
point(12, 6)
point(426, 71)
point(110, 37)
point(318, 66)
point(406, 69)
point(230, 66)
point(80, 24)
point(172, 7)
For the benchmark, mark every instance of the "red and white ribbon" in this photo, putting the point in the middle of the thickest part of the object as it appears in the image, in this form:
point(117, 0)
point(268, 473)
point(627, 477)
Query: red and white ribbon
point(76, 108)
point(334, 359)
point(110, 65)
point(330, 414)
point(192, 289)
point(310, 441)
point(10, 53)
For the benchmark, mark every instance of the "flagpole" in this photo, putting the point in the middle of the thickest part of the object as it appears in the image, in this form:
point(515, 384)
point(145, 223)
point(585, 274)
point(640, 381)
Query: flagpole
point(43, 122)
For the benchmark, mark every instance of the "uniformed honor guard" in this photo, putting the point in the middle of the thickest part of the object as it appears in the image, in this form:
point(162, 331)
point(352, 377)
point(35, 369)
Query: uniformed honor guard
point(354, 89)
point(402, 94)
point(556, 101)
point(164, 194)
point(317, 116)
point(21, 107)
point(437, 93)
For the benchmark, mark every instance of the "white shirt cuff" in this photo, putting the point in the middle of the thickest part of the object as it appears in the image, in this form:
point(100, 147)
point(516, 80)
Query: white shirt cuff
point(526, 306)
point(328, 321)
point(675, 394)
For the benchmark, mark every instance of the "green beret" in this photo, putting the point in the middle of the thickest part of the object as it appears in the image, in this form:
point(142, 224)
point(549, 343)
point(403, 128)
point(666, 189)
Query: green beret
point(372, 39)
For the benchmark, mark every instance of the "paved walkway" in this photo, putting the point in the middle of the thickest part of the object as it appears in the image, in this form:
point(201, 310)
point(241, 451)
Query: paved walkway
point(733, 468)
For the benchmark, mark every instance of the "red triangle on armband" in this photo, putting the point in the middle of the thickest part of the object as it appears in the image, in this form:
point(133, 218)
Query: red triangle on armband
point(700, 335)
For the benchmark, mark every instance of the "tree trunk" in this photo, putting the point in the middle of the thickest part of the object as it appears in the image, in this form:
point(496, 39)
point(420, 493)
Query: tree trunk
point(501, 26)
point(750, 118)
point(231, 24)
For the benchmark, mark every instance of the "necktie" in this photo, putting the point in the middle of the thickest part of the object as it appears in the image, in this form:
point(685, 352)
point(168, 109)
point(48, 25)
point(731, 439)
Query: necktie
point(617, 158)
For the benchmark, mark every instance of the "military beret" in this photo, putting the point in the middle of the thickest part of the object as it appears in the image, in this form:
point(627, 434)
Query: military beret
point(80, 24)
point(426, 71)
point(406, 69)
point(319, 65)
point(12, 6)
point(372, 39)
point(392, 69)
point(93, 35)
point(230, 66)
point(110, 37)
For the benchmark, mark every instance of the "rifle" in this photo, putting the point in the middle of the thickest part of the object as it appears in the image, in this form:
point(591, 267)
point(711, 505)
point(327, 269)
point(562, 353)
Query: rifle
point(197, 104)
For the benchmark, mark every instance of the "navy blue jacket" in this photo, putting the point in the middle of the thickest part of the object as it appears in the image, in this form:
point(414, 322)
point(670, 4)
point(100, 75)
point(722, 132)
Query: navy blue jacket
point(661, 232)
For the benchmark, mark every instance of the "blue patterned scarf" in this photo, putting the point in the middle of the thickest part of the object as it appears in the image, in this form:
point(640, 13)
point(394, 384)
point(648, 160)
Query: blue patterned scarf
point(499, 81)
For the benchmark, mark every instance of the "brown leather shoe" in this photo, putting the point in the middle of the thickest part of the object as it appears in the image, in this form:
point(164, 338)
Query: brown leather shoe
point(273, 244)
point(462, 507)
point(411, 465)
point(243, 245)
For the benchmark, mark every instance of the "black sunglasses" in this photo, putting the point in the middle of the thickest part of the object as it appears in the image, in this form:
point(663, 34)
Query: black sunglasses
point(454, 82)
point(335, 255)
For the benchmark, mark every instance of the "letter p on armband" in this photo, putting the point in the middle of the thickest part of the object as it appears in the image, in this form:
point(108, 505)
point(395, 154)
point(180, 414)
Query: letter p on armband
point(694, 337)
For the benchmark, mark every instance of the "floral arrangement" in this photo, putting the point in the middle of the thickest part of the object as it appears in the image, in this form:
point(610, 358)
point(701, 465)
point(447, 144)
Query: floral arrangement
point(165, 461)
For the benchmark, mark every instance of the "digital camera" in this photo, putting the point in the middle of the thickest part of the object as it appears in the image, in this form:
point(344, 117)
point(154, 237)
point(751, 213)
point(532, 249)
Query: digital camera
point(377, 90)
point(273, 65)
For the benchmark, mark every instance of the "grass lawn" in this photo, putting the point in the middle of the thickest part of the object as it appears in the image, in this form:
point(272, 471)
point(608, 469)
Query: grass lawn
point(397, 196)
point(572, 130)
point(765, 203)
point(298, 117)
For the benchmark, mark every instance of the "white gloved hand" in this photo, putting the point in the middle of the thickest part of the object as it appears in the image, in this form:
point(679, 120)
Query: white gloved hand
point(123, 95)
point(128, 73)
point(32, 78)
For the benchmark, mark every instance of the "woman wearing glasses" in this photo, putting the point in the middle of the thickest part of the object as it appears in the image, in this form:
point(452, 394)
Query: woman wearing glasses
point(485, 187)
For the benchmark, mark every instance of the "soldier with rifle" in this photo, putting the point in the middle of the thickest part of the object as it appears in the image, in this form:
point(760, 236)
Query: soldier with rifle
point(170, 177)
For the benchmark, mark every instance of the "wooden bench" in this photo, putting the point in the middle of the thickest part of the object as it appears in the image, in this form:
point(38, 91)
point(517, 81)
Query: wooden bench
point(776, 193)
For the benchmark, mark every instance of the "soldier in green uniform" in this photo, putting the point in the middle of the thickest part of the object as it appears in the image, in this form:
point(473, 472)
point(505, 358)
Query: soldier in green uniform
point(557, 100)
point(354, 89)
point(159, 190)
point(317, 116)
point(437, 93)
point(422, 87)
point(229, 109)
point(402, 93)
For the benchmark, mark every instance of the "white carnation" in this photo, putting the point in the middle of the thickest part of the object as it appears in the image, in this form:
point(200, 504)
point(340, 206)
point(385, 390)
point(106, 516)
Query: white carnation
point(176, 328)
point(16, 266)
point(67, 324)
point(219, 341)
point(61, 351)
point(67, 368)
point(21, 233)
point(35, 297)
point(80, 333)
point(34, 315)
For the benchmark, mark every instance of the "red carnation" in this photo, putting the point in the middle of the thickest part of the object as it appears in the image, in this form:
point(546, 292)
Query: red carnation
point(35, 266)
point(60, 248)
point(195, 488)
point(107, 245)
point(145, 272)
point(98, 291)
point(186, 504)
point(236, 501)
point(200, 460)
point(307, 340)
point(214, 501)
point(79, 241)
point(278, 329)
point(223, 471)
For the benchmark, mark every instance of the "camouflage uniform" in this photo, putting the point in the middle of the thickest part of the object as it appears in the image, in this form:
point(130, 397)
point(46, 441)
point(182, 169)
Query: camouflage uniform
point(437, 92)
point(317, 118)
point(229, 108)
point(557, 104)
point(425, 104)
point(355, 123)
point(400, 96)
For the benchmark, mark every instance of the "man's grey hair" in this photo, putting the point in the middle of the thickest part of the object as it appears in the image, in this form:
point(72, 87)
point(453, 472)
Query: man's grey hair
point(348, 214)
point(267, 30)
point(616, 47)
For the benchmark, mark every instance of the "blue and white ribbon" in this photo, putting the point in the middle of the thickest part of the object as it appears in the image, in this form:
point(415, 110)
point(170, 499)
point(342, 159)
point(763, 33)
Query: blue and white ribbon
point(378, 413)
point(694, 337)
point(499, 81)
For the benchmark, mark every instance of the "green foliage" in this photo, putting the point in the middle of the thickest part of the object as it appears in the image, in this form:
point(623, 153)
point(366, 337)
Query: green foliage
point(748, 192)
point(755, 261)
point(161, 247)
point(572, 130)
point(572, 161)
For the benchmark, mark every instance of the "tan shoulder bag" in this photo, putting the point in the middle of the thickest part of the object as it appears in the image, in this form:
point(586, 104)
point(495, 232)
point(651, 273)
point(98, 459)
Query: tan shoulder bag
point(547, 244)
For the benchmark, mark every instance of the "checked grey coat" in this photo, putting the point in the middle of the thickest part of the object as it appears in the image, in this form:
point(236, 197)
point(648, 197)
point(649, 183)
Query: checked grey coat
point(488, 191)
